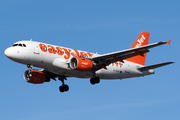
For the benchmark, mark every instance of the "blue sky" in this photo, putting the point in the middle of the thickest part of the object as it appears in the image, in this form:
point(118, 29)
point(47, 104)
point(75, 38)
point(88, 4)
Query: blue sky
point(101, 26)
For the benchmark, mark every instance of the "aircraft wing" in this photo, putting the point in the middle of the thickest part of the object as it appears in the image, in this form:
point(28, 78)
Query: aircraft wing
point(109, 58)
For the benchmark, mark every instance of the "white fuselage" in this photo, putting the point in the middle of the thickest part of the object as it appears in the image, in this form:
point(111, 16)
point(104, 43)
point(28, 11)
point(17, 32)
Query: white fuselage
point(56, 59)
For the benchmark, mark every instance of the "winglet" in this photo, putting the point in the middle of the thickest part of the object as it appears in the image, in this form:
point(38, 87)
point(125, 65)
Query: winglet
point(168, 42)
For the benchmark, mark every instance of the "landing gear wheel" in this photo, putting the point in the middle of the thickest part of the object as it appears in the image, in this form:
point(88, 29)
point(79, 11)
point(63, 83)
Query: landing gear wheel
point(97, 80)
point(94, 80)
point(63, 88)
point(66, 87)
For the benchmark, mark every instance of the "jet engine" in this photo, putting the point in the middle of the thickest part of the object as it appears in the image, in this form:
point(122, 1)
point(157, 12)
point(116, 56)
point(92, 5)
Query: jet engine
point(81, 64)
point(35, 77)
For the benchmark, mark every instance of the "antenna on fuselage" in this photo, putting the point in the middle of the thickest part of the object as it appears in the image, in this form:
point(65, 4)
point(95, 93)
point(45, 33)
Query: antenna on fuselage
point(31, 39)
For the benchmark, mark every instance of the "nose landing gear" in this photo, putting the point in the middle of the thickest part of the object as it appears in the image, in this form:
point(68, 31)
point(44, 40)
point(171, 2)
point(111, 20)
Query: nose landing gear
point(29, 66)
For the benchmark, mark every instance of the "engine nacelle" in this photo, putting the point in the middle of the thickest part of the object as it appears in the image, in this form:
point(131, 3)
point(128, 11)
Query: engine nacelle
point(35, 77)
point(81, 64)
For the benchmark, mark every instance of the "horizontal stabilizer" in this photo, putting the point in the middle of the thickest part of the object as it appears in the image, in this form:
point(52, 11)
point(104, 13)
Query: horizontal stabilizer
point(154, 66)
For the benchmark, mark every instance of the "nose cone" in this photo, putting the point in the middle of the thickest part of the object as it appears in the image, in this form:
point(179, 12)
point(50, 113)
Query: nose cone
point(9, 53)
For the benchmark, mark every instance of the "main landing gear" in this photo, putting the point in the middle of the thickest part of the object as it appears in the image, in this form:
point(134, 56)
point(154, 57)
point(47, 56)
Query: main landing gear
point(94, 80)
point(63, 87)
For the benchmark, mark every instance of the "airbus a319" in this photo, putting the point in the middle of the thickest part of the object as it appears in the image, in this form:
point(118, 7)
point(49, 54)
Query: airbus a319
point(61, 62)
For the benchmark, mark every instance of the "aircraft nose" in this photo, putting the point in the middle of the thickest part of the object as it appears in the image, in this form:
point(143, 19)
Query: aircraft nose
point(8, 52)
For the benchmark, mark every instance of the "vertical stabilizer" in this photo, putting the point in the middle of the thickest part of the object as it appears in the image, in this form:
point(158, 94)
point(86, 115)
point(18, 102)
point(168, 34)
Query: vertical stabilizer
point(142, 40)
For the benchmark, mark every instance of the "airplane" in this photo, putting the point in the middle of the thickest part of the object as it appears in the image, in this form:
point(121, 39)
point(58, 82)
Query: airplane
point(61, 62)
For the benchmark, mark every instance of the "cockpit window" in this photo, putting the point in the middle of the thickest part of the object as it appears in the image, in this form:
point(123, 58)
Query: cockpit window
point(15, 45)
point(21, 45)
point(24, 45)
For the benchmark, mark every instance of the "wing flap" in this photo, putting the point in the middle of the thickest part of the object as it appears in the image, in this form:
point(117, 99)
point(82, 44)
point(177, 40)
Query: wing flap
point(154, 66)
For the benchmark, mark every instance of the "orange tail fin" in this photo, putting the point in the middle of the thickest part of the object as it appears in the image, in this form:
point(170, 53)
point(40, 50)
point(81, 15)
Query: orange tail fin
point(140, 41)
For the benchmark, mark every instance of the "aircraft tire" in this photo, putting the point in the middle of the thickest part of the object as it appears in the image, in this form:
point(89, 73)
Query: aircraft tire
point(63, 88)
point(66, 87)
point(95, 80)
point(92, 81)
